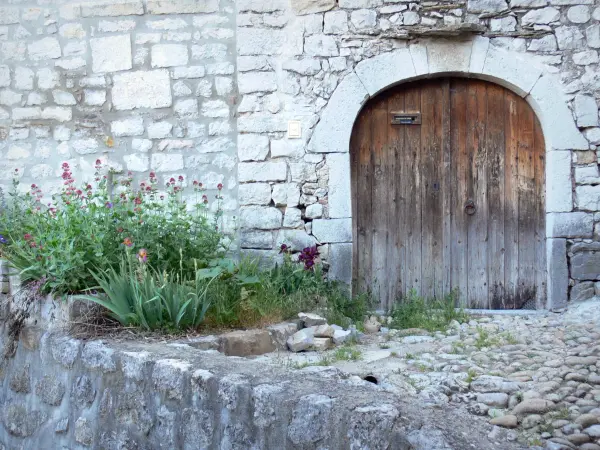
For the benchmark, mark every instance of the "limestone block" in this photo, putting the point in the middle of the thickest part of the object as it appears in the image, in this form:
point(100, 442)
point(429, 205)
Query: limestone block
point(297, 240)
point(26, 113)
point(582, 291)
point(97, 356)
point(592, 33)
point(257, 41)
point(585, 58)
point(280, 333)
point(261, 123)
point(569, 225)
point(111, 54)
point(260, 217)
point(133, 126)
point(558, 273)
point(9, 15)
point(287, 147)
point(103, 8)
point(23, 78)
point(169, 55)
point(46, 48)
point(340, 197)
point(215, 108)
point(528, 3)
point(569, 38)
point(301, 340)
point(84, 146)
point(292, 218)
point(363, 18)
point(94, 97)
point(246, 343)
point(286, 194)
point(170, 162)
point(358, 4)
point(486, 6)
point(302, 7)
point(384, 70)
point(586, 111)
point(252, 147)
point(543, 44)
point(137, 162)
point(559, 196)
point(142, 89)
point(340, 262)
point(332, 133)
point(159, 130)
point(541, 16)
point(261, 6)
point(320, 45)
point(508, 70)
point(47, 78)
point(332, 230)
point(254, 194)
point(322, 344)
point(182, 6)
point(188, 108)
point(314, 211)
point(504, 24)
point(262, 171)
point(550, 106)
point(587, 174)
point(579, 14)
point(256, 239)
point(249, 82)
point(4, 76)
point(305, 66)
point(336, 22)
point(588, 197)
point(189, 72)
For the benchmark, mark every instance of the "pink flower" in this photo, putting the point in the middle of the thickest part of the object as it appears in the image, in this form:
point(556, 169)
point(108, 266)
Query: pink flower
point(127, 242)
point(142, 255)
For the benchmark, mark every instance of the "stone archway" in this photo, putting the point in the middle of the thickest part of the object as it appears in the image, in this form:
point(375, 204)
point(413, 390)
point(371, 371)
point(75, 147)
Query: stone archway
point(471, 58)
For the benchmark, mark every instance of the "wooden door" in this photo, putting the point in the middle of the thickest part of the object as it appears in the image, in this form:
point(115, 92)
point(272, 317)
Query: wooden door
point(453, 202)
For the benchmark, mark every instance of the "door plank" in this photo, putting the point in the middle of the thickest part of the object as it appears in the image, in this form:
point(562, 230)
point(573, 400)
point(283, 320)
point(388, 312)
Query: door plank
point(379, 198)
point(412, 193)
point(527, 206)
point(477, 223)
point(431, 226)
point(447, 188)
point(511, 183)
point(459, 187)
point(397, 171)
point(361, 153)
point(494, 143)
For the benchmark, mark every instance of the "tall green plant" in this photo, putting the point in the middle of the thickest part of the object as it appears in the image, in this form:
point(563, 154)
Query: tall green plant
point(137, 295)
point(91, 226)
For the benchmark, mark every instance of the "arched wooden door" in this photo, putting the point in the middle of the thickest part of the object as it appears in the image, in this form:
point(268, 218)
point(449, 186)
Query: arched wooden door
point(448, 193)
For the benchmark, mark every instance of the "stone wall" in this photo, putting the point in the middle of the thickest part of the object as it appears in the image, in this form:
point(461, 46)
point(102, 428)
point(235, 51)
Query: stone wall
point(142, 85)
point(293, 55)
point(207, 89)
point(60, 392)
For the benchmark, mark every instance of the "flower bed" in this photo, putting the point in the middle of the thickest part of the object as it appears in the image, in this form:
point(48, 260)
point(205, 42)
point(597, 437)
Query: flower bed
point(155, 256)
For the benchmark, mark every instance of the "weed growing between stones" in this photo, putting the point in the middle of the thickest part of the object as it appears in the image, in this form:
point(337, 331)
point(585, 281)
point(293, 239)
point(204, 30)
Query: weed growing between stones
point(471, 375)
point(413, 311)
point(483, 339)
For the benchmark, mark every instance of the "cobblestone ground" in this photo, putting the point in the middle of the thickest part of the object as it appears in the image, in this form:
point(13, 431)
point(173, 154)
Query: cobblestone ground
point(534, 378)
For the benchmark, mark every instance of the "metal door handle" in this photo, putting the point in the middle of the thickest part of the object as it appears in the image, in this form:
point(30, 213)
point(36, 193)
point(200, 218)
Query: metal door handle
point(470, 207)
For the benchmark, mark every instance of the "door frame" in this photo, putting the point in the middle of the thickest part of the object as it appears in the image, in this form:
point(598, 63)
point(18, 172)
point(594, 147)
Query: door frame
point(476, 58)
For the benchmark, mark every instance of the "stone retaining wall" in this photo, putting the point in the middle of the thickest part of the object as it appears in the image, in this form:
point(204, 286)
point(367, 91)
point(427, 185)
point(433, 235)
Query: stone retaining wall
point(59, 392)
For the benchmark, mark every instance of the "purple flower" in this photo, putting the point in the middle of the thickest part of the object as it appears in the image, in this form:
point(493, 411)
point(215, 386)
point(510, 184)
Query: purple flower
point(108, 205)
point(3, 240)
